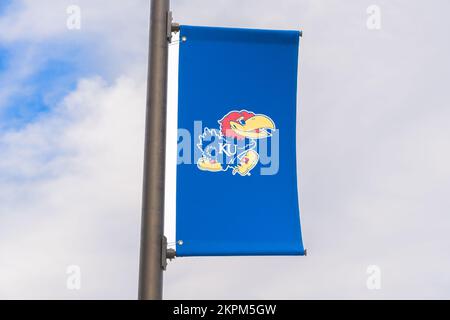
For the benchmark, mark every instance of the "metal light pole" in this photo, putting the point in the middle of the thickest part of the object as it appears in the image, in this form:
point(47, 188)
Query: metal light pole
point(153, 248)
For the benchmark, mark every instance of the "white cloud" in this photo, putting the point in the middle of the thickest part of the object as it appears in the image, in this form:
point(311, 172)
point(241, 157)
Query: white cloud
point(40, 21)
point(112, 41)
point(70, 194)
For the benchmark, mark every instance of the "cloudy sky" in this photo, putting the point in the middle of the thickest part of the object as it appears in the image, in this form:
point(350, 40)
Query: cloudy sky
point(373, 142)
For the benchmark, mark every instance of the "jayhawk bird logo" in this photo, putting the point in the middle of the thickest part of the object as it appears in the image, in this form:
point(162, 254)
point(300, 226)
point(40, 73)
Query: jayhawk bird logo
point(234, 145)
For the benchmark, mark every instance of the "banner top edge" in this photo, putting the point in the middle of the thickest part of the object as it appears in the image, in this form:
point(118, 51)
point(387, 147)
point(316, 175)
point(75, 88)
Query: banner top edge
point(299, 32)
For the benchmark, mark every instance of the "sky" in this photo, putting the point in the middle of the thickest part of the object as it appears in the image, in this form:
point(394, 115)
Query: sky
point(373, 151)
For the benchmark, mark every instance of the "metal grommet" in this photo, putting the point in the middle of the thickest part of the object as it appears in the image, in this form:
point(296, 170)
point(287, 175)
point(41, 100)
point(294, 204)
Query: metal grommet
point(180, 242)
point(184, 38)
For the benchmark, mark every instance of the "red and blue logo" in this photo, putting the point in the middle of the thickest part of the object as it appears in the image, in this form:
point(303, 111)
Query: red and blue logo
point(234, 145)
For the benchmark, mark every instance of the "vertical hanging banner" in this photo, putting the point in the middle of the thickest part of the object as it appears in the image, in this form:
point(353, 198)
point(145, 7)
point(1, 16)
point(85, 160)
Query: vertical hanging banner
point(237, 171)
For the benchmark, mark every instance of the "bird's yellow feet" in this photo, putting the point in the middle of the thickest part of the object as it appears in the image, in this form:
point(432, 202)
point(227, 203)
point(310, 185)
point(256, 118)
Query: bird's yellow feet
point(209, 165)
point(247, 163)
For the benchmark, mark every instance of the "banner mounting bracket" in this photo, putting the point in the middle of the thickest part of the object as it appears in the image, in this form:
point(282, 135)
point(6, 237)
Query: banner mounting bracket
point(171, 26)
point(166, 253)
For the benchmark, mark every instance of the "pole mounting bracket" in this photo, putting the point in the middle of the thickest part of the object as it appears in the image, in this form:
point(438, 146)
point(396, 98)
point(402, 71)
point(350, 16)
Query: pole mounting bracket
point(169, 26)
point(172, 27)
point(166, 253)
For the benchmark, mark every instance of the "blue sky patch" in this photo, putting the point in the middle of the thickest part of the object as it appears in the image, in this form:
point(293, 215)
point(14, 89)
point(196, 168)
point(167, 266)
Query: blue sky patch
point(56, 76)
point(4, 5)
point(3, 58)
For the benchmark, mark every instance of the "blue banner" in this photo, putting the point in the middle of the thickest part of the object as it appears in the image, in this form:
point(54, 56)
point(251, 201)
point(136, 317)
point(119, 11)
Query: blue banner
point(237, 171)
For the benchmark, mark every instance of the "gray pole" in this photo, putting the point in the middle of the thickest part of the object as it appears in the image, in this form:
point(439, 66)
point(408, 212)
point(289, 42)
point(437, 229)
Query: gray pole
point(152, 228)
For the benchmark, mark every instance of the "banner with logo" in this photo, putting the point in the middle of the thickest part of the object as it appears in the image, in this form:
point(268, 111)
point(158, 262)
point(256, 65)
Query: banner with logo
point(237, 190)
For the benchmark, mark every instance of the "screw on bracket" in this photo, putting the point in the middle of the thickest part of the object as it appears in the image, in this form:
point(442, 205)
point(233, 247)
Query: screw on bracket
point(175, 27)
point(171, 254)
